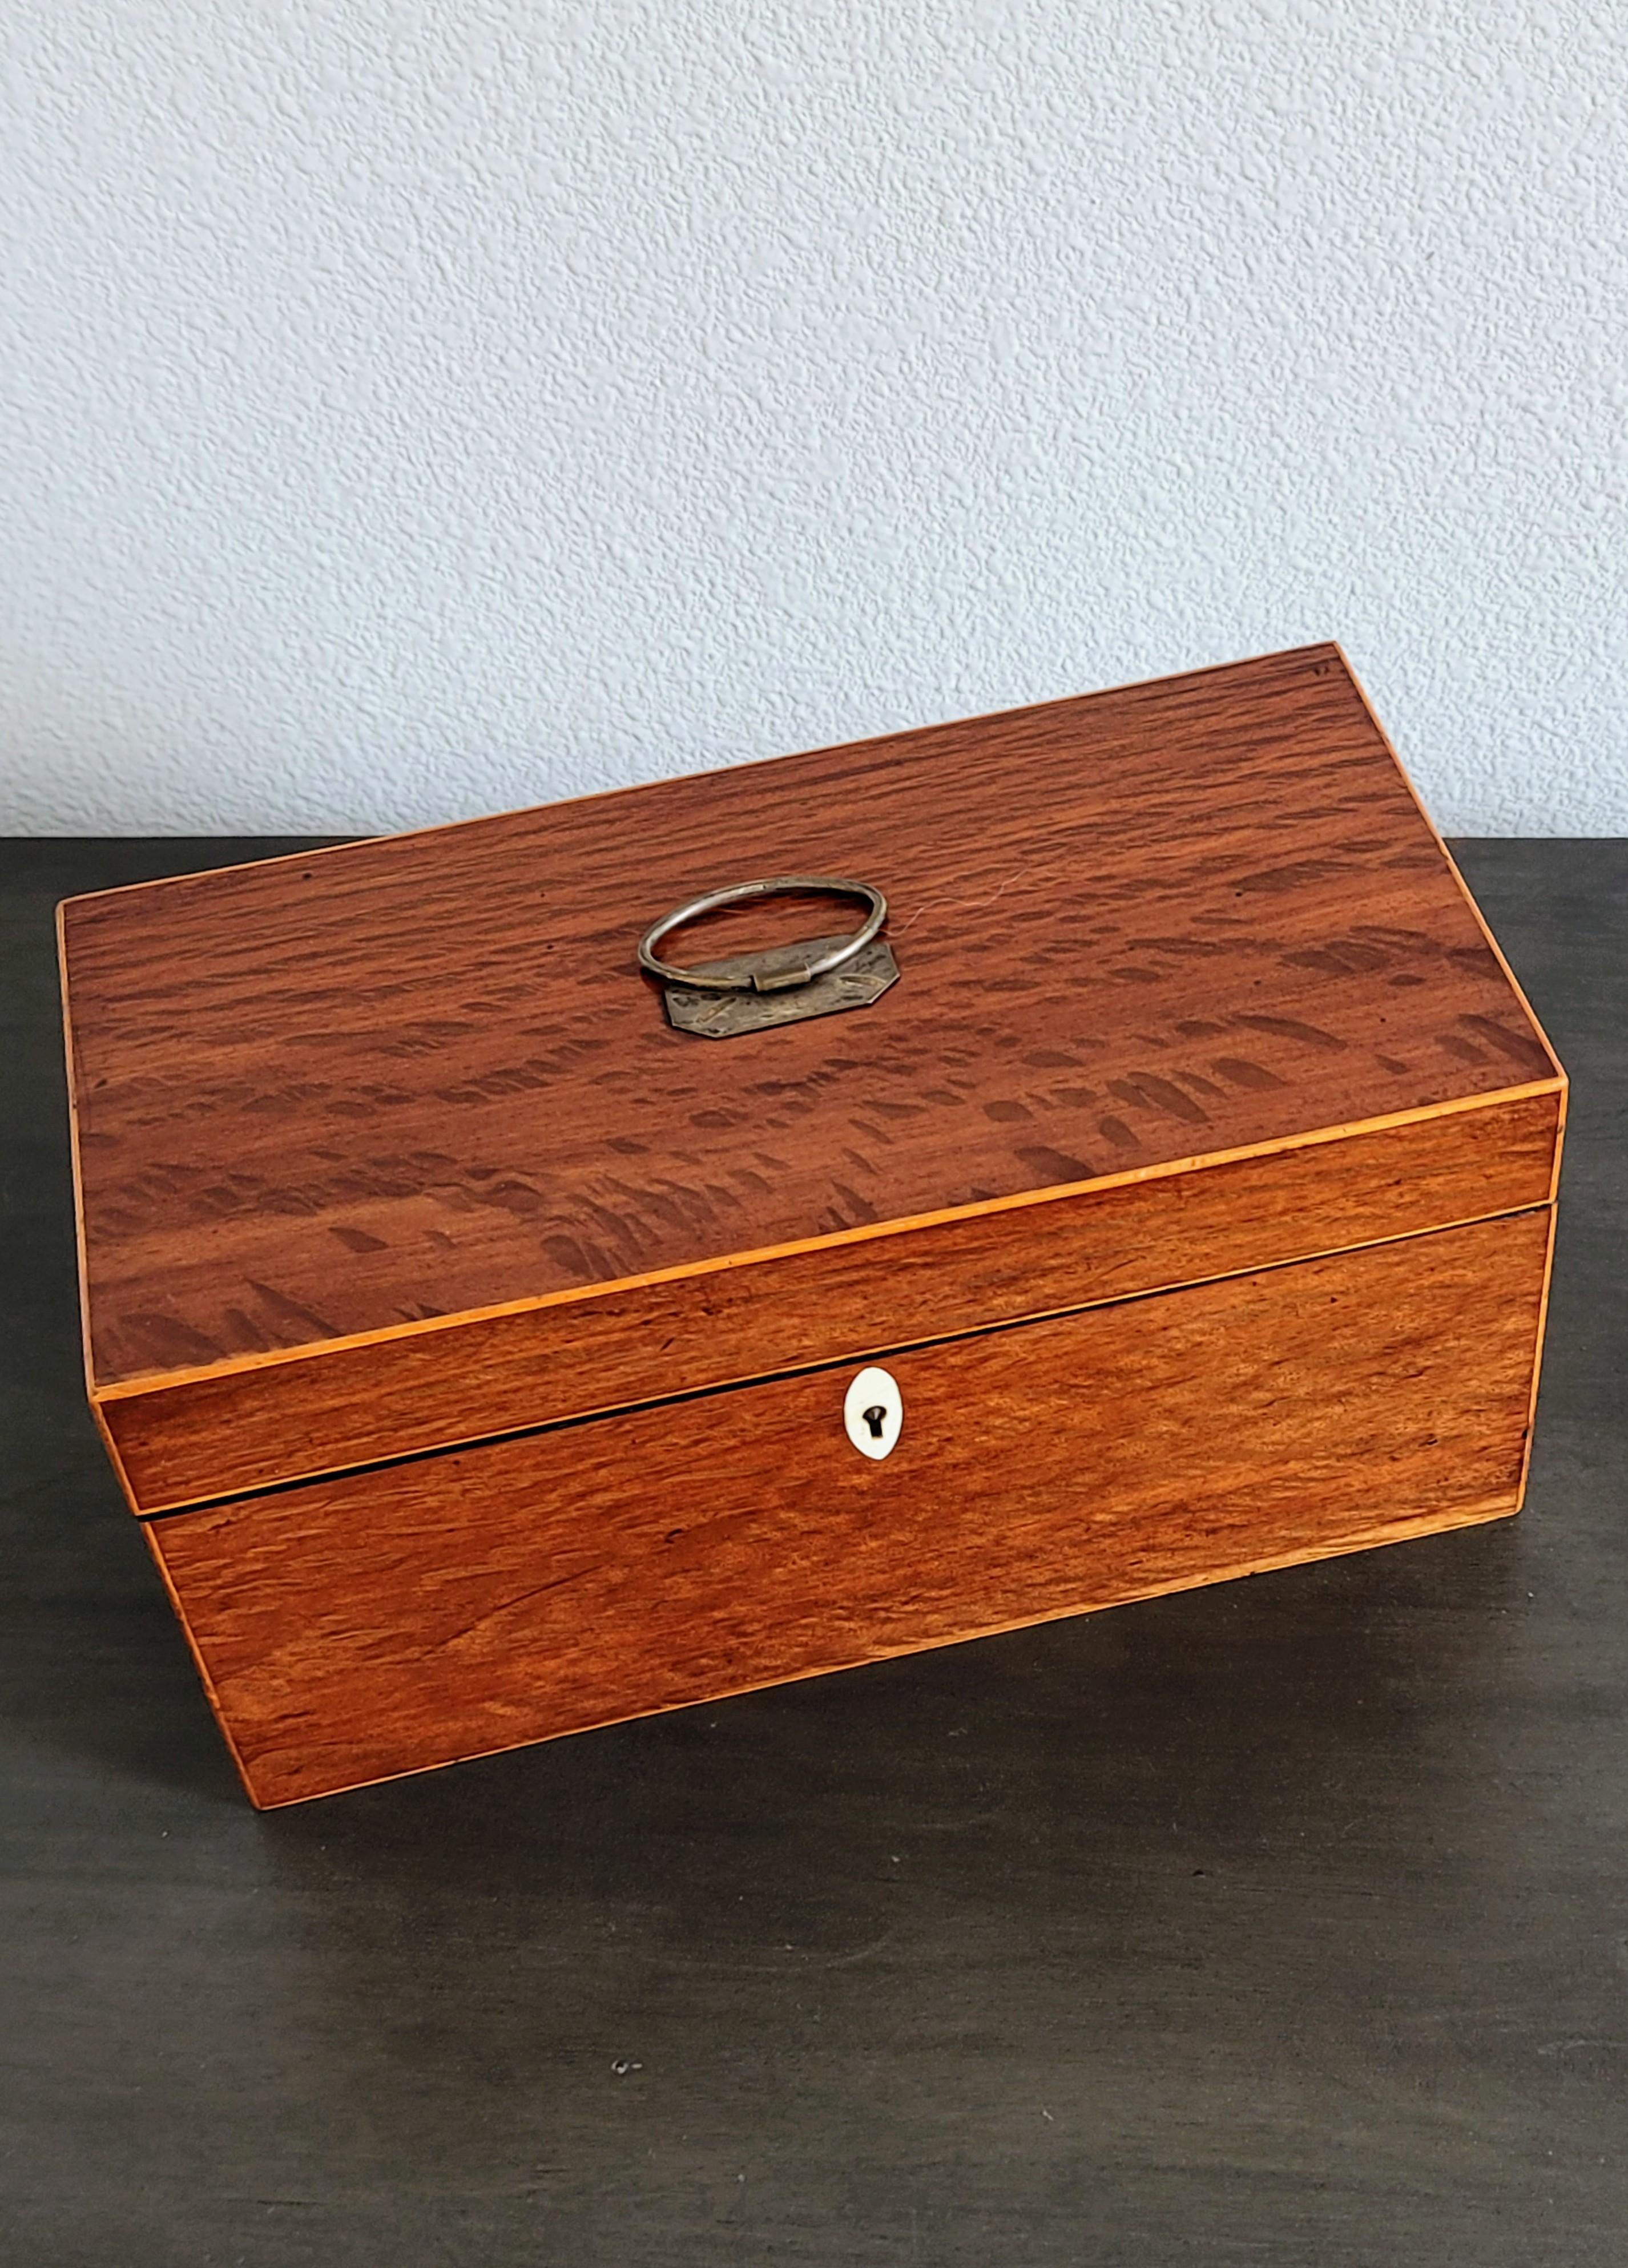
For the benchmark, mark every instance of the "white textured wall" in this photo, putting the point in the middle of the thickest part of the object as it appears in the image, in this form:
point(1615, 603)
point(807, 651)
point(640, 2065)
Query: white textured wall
point(415, 409)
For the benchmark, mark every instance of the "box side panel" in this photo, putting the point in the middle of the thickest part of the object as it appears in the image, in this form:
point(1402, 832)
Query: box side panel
point(1537, 1353)
point(272, 1421)
point(388, 1622)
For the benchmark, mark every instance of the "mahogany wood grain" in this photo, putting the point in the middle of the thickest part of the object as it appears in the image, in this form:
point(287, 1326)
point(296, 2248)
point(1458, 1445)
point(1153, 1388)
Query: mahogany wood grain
point(339, 1093)
point(384, 1622)
point(216, 1435)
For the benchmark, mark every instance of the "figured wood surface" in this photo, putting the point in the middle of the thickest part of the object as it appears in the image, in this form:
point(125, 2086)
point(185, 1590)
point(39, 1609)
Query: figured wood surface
point(347, 1092)
point(243, 1429)
point(387, 1621)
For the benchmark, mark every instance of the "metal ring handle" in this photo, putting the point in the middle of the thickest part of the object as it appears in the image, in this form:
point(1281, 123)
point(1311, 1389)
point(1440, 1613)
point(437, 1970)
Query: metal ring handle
point(782, 885)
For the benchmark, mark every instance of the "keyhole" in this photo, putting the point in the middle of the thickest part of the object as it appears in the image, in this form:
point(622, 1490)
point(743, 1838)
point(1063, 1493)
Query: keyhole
point(873, 1413)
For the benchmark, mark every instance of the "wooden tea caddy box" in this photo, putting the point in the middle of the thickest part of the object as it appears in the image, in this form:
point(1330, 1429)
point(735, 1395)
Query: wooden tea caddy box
point(480, 1349)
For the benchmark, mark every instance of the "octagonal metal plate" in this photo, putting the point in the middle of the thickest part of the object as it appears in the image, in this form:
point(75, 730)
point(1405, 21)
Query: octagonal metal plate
point(725, 1015)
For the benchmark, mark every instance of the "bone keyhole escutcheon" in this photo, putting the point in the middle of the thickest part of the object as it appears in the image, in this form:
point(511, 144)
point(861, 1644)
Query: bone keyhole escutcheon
point(873, 1413)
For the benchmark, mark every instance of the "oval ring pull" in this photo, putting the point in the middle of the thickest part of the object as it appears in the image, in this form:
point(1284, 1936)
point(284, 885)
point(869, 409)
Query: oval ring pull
point(773, 974)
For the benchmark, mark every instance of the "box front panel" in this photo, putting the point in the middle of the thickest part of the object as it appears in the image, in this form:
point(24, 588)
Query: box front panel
point(224, 1435)
point(379, 1624)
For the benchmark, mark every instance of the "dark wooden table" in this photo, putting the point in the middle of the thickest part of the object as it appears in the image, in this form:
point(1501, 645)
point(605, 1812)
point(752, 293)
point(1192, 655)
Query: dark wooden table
point(1283, 1922)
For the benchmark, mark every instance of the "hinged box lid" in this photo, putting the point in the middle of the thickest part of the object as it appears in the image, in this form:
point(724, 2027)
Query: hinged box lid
point(391, 1146)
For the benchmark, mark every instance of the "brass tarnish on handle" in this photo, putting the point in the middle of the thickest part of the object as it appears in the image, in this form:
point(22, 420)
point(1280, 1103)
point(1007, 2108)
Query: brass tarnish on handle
point(753, 991)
